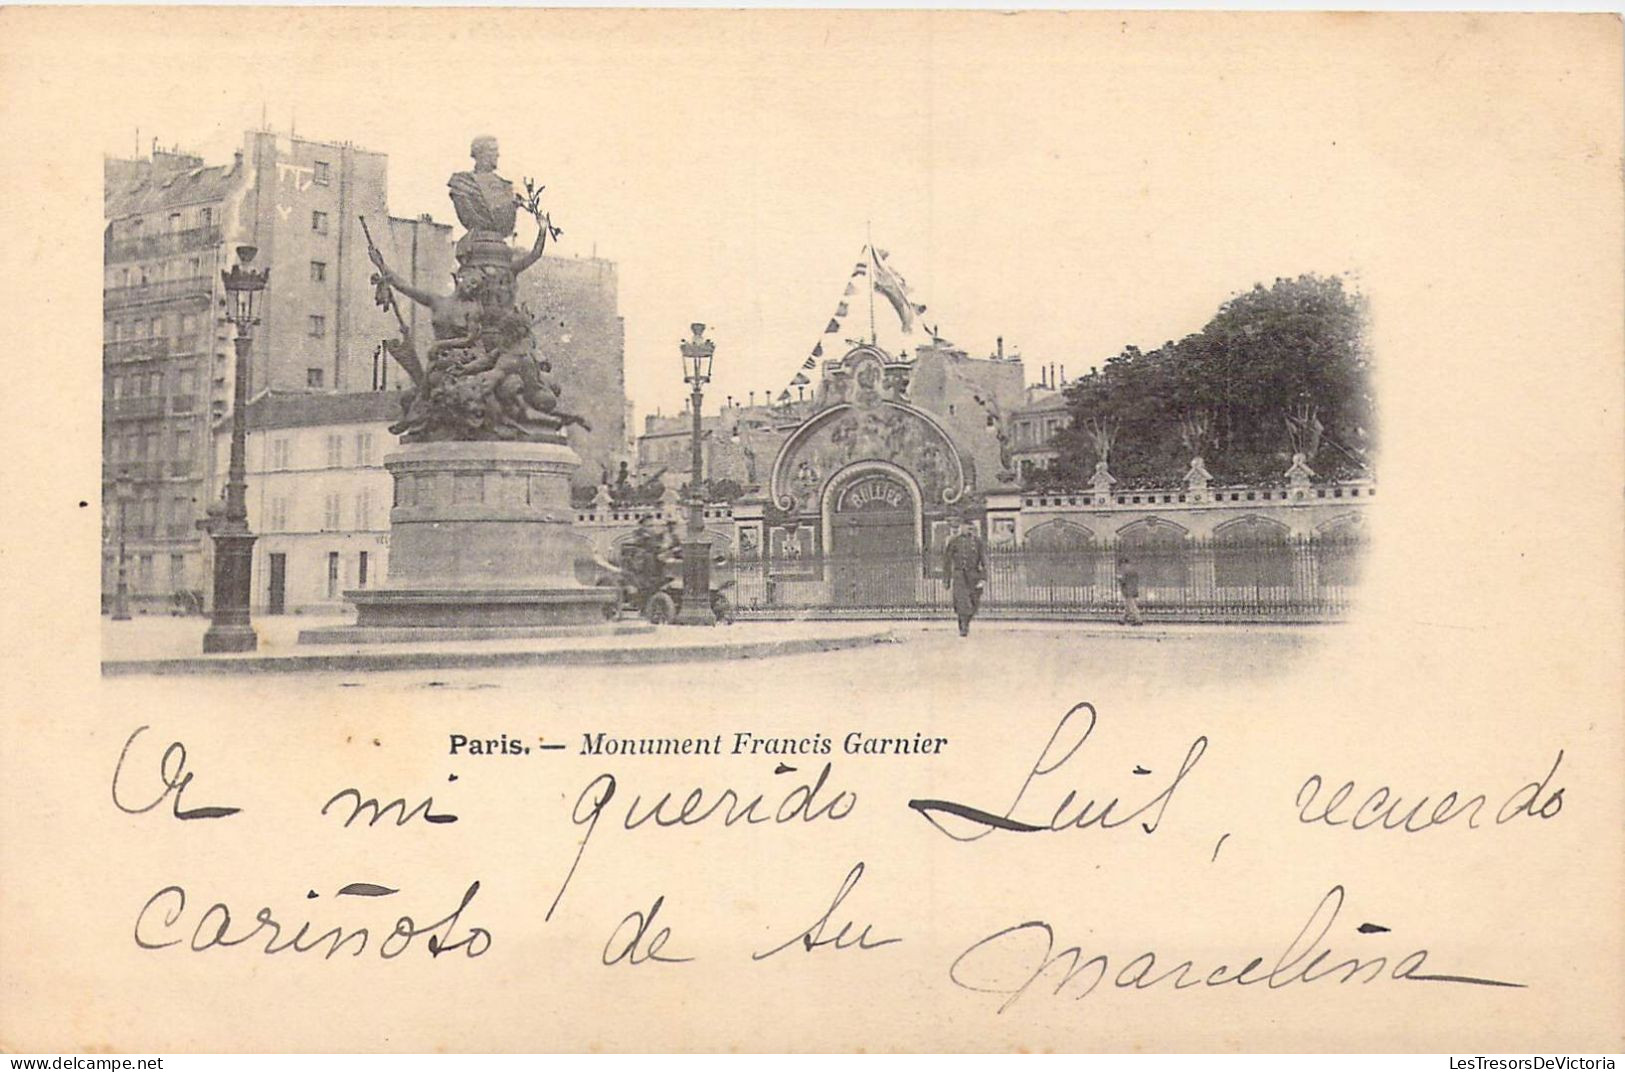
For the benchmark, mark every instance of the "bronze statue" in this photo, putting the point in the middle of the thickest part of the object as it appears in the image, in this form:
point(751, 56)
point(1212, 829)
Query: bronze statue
point(484, 200)
point(482, 378)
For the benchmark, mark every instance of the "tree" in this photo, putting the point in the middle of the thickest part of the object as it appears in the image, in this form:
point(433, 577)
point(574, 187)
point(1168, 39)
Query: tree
point(1277, 370)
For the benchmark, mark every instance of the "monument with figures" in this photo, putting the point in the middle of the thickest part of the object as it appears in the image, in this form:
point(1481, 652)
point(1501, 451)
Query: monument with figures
point(480, 529)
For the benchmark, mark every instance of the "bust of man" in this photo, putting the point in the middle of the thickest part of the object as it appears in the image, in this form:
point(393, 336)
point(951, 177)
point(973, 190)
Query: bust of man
point(483, 199)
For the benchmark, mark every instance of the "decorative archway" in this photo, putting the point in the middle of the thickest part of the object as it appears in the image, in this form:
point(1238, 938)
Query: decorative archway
point(873, 528)
point(1061, 553)
point(872, 494)
point(1159, 549)
point(1338, 545)
point(881, 431)
point(1251, 528)
point(1350, 525)
point(1252, 552)
point(1059, 535)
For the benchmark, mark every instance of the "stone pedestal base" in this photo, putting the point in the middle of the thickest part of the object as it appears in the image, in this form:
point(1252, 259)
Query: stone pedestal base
point(480, 536)
point(696, 608)
point(230, 630)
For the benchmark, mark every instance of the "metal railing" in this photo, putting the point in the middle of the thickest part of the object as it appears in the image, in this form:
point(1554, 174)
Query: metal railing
point(1286, 579)
point(160, 244)
point(135, 349)
point(201, 286)
point(135, 406)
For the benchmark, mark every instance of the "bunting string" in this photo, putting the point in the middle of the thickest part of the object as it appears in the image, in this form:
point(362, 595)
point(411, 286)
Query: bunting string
point(885, 280)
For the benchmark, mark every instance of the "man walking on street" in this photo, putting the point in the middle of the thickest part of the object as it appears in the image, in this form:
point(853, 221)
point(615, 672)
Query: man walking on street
point(1128, 579)
point(964, 566)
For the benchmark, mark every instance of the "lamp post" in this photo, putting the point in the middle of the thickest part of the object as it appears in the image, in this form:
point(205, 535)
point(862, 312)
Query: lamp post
point(230, 629)
point(123, 492)
point(696, 608)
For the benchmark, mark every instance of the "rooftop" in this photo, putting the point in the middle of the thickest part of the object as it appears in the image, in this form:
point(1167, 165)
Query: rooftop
point(145, 187)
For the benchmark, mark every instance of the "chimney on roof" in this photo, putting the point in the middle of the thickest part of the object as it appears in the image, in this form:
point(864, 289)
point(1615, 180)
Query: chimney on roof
point(1001, 347)
point(1063, 375)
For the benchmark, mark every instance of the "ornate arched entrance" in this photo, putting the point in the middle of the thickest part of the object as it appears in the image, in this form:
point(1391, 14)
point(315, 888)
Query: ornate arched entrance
point(872, 528)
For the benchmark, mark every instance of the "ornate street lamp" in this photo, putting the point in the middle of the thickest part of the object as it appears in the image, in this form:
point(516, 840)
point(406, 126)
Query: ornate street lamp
point(230, 629)
point(123, 491)
point(696, 608)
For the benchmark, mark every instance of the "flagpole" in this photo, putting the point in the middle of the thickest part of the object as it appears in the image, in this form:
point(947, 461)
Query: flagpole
point(874, 339)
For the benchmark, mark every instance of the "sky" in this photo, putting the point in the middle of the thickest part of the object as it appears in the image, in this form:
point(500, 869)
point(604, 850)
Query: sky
point(1072, 184)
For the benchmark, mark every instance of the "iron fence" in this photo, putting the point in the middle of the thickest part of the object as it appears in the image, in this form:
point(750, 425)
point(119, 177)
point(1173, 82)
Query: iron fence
point(1282, 579)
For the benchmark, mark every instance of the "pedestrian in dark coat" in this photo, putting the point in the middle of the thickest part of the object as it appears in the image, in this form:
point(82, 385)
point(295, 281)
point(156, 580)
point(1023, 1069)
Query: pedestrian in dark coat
point(964, 565)
point(1128, 579)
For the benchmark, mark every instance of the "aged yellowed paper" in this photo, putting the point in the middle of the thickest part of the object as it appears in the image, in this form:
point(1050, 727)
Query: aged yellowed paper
point(1398, 830)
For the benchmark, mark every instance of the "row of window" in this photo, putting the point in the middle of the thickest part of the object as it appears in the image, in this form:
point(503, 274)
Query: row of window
point(149, 383)
point(361, 453)
point(144, 446)
point(139, 275)
point(1036, 433)
point(281, 508)
point(156, 327)
point(146, 513)
point(191, 268)
point(203, 217)
point(141, 575)
point(179, 220)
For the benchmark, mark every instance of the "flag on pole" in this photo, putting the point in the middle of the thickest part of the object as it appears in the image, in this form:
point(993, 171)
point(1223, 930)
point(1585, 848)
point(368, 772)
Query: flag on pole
point(800, 380)
point(850, 289)
point(840, 310)
point(861, 269)
point(818, 351)
point(833, 326)
point(809, 363)
point(895, 289)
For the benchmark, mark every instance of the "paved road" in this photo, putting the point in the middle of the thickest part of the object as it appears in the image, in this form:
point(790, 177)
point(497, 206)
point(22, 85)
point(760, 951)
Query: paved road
point(929, 662)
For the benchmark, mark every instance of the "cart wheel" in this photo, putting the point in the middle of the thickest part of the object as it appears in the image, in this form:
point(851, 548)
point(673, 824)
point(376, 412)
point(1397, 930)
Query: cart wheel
point(660, 609)
point(722, 608)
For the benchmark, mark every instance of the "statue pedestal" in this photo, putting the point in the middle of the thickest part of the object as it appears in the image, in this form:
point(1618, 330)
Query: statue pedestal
point(480, 537)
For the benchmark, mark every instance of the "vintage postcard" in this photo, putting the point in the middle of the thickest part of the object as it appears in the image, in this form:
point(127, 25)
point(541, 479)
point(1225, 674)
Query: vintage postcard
point(812, 531)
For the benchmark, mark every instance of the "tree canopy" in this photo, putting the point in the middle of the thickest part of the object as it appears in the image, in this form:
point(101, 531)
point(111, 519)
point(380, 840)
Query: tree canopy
point(1277, 370)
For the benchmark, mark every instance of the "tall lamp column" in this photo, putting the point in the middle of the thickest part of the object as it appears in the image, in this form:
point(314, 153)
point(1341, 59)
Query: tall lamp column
point(696, 608)
point(121, 596)
point(230, 629)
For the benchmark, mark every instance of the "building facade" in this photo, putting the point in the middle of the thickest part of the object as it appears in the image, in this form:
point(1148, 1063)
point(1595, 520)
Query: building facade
point(1033, 428)
point(172, 225)
point(162, 344)
point(318, 496)
point(580, 332)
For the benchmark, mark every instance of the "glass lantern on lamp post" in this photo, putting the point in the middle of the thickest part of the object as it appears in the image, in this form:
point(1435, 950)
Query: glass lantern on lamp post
point(696, 608)
point(230, 629)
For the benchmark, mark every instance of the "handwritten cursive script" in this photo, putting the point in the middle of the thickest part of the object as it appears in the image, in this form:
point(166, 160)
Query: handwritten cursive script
point(1070, 735)
point(1012, 961)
